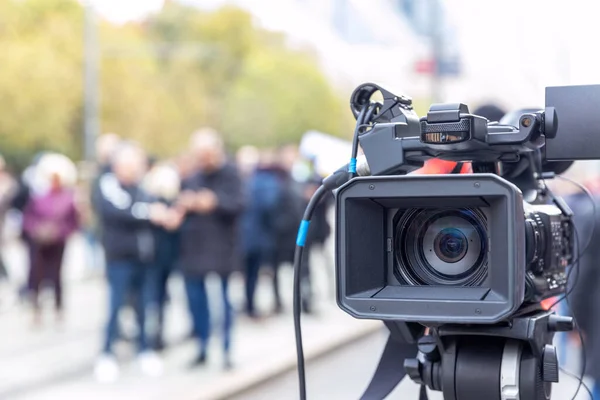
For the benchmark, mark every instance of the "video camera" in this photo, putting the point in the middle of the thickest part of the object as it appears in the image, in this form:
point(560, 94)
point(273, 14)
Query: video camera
point(456, 265)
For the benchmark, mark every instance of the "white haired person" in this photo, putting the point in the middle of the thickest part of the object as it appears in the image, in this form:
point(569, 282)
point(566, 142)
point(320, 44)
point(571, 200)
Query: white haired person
point(49, 219)
point(213, 202)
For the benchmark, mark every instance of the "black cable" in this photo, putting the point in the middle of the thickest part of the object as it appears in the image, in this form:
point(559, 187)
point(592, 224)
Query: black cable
point(574, 266)
point(300, 242)
point(359, 121)
point(575, 263)
point(572, 375)
point(593, 202)
point(373, 108)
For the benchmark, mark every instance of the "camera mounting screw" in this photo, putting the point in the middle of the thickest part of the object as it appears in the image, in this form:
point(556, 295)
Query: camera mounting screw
point(373, 308)
point(371, 187)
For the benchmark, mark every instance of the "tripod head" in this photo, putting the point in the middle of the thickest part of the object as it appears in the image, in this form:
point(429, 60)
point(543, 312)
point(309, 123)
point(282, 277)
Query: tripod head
point(508, 361)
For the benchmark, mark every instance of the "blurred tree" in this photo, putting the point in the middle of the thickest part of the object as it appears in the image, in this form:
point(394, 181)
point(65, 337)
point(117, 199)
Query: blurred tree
point(256, 89)
point(40, 89)
point(279, 96)
point(160, 79)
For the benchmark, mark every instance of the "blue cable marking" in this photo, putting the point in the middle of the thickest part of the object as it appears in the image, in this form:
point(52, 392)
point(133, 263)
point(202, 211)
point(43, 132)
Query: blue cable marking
point(352, 166)
point(302, 232)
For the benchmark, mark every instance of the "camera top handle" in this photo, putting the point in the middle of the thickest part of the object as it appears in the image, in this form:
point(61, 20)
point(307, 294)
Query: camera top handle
point(396, 141)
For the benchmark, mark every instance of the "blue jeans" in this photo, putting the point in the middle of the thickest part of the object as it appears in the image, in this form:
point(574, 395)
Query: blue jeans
point(253, 261)
point(200, 311)
point(126, 278)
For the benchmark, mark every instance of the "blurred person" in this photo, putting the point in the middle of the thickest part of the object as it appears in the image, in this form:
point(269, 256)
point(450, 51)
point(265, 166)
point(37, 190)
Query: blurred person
point(163, 183)
point(49, 219)
point(106, 145)
point(8, 191)
point(247, 158)
point(319, 232)
point(212, 200)
point(288, 212)
point(27, 185)
point(258, 223)
point(584, 300)
point(185, 164)
point(127, 214)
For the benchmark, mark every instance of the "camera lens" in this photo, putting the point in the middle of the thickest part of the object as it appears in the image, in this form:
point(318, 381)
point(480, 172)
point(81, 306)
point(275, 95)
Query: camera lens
point(451, 245)
point(441, 247)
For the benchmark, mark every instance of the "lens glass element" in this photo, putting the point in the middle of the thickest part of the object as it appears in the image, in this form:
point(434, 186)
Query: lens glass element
point(450, 245)
point(441, 247)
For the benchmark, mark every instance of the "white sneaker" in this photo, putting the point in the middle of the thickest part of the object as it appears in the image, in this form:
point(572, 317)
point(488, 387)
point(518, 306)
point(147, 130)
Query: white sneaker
point(106, 369)
point(150, 364)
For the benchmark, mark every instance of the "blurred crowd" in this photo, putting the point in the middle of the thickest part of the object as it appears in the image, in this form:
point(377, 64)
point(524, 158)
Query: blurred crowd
point(201, 213)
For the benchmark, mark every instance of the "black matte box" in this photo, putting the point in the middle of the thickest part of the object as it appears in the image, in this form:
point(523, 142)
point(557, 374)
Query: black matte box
point(367, 289)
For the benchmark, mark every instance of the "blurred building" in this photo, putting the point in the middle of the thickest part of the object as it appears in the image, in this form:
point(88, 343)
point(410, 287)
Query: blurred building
point(503, 51)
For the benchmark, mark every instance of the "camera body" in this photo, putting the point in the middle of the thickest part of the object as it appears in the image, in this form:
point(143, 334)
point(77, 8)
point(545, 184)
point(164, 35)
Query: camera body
point(457, 264)
point(446, 248)
point(452, 249)
point(549, 246)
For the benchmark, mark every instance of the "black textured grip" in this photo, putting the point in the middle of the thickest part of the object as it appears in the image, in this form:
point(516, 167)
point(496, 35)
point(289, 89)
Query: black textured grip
point(550, 364)
point(464, 125)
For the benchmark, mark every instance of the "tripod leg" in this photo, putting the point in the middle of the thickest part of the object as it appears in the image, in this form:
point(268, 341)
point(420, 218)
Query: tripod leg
point(390, 370)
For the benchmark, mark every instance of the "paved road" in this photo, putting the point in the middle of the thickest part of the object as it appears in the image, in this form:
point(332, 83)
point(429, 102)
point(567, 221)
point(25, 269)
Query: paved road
point(345, 373)
point(54, 361)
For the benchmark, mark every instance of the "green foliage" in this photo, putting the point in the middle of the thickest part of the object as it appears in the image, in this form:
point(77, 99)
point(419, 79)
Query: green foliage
point(279, 96)
point(160, 79)
point(40, 84)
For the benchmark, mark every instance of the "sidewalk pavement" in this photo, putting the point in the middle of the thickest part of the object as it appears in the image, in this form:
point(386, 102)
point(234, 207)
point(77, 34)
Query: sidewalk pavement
point(56, 360)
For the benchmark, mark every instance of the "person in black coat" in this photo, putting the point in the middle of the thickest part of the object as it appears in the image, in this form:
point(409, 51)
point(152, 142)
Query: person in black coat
point(286, 216)
point(209, 243)
point(128, 214)
point(258, 227)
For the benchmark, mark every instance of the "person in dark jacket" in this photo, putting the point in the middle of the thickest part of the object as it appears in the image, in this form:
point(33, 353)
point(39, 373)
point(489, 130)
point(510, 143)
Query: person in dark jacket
point(287, 215)
point(258, 224)
point(106, 145)
point(212, 200)
point(127, 214)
